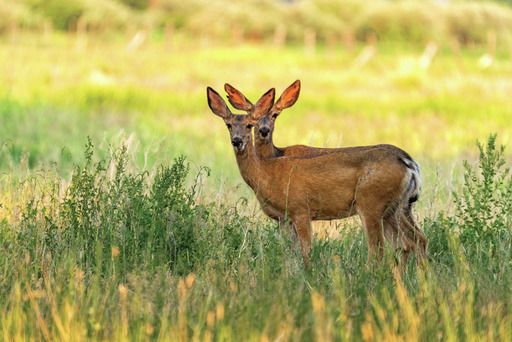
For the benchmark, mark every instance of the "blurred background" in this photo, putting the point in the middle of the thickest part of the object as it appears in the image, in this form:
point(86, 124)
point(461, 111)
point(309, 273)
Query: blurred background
point(428, 76)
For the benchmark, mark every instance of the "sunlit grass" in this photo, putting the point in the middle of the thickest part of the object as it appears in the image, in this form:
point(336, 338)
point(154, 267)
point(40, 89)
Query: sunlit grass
point(102, 257)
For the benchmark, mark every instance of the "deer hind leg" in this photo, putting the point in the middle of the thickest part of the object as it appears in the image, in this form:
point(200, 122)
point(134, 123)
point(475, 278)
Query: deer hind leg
point(402, 232)
point(414, 232)
point(302, 226)
point(396, 238)
point(372, 224)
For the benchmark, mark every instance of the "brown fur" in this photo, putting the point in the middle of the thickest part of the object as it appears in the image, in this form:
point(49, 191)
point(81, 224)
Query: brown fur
point(368, 181)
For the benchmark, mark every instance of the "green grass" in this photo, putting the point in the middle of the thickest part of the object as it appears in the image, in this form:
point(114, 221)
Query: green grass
point(122, 239)
point(124, 253)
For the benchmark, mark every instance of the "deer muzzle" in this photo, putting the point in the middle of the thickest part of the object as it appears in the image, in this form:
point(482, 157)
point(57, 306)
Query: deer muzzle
point(237, 142)
point(264, 131)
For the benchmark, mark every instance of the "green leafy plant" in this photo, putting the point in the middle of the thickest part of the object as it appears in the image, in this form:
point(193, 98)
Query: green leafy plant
point(484, 207)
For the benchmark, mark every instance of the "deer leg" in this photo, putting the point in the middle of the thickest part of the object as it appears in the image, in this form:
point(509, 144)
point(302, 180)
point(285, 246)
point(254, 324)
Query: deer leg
point(416, 235)
point(373, 228)
point(395, 237)
point(288, 224)
point(303, 228)
point(404, 255)
point(403, 233)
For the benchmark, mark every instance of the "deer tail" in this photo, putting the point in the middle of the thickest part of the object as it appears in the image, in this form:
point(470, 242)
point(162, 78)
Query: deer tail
point(412, 181)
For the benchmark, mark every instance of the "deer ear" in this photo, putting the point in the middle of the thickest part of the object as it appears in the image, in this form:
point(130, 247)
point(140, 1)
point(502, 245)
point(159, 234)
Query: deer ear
point(217, 103)
point(264, 104)
point(237, 99)
point(289, 97)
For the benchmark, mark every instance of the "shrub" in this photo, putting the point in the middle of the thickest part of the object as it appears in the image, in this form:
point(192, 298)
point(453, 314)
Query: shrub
point(109, 208)
point(484, 207)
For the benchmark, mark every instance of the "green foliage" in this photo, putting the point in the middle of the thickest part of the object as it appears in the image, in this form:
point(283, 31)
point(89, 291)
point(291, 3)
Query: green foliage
point(472, 22)
point(484, 208)
point(108, 207)
point(64, 15)
point(107, 14)
point(118, 253)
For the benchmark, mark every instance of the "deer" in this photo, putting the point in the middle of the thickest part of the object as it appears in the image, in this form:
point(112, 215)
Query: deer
point(374, 182)
point(263, 143)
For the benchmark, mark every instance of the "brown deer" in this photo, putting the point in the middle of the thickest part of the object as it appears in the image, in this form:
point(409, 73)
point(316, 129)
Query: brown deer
point(263, 142)
point(375, 182)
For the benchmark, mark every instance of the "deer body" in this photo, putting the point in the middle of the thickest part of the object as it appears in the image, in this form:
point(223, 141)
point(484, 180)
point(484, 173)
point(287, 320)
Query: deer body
point(328, 186)
point(375, 182)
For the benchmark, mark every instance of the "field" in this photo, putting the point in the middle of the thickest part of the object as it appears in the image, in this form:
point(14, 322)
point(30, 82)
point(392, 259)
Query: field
point(107, 233)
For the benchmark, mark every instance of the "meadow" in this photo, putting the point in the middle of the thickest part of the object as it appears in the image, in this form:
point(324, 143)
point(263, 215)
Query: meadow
point(123, 215)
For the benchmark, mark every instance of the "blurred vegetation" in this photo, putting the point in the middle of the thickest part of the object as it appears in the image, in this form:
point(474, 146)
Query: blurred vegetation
point(466, 21)
point(55, 92)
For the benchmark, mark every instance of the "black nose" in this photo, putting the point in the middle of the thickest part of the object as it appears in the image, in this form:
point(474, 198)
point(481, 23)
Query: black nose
point(236, 142)
point(264, 131)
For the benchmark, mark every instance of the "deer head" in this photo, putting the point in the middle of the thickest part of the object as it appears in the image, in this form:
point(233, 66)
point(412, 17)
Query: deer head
point(240, 126)
point(265, 126)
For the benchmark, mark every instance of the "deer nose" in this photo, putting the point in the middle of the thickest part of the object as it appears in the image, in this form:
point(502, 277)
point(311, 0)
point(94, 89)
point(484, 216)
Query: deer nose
point(236, 142)
point(264, 131)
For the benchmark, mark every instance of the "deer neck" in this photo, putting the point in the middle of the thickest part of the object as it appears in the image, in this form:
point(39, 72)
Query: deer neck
point(249, 165)
point(266, 148)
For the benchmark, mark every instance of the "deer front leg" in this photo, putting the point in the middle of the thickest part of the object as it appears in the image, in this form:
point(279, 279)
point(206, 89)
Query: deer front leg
point(303, 228)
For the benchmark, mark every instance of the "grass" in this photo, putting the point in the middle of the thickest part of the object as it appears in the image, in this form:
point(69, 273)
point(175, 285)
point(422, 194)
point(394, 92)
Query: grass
point(122, 253)
point(116, 237)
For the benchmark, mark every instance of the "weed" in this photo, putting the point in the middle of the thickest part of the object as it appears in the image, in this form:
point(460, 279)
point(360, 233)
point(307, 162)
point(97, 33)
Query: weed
point(483, 209)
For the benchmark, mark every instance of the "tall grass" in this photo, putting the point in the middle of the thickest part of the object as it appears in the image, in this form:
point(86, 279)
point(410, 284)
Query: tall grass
point(118, 252)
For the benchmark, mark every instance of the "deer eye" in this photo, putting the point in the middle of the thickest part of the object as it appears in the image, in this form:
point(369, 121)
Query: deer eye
point(228, 126)
point(249, 126)
point(275, 116)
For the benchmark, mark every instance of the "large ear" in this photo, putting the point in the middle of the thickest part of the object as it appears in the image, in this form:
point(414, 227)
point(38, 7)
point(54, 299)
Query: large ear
point(288, 98)
point(237, 99)
point(264, 104)
point(217, 104)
